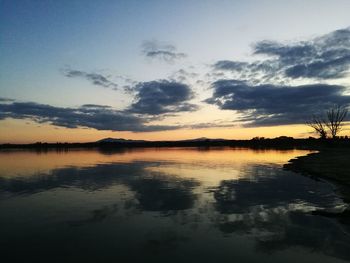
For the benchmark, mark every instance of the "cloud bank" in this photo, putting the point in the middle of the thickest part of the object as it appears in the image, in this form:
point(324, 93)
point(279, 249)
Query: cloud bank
point(153, 100)
point(325, 57)
point(266, 105)
point(98, 117)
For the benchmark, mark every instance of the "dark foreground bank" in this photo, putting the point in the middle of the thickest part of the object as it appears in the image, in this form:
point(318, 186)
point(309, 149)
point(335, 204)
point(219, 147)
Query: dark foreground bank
point(331, 164)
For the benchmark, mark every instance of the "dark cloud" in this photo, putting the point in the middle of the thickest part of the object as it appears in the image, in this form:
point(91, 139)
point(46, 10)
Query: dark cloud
point(96, 106)
point(95, 78)
point(230, 65)
point(321, 69)
point(91, 116)
point(163, 96)
point(154, 100)
point(164, 52)
point(265, 105)
point(323, 57)
point(6, 99)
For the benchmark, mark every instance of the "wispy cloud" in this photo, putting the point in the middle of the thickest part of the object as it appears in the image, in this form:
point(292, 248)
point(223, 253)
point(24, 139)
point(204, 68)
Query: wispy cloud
point(164, 52)
point(183, 75)
point(93, 77)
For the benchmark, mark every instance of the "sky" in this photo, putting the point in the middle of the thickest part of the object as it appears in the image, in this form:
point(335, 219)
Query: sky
point(81, 70)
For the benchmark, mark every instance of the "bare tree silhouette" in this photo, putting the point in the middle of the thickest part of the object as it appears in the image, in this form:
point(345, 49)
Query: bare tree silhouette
point(335, 118)
point(318, 124)
point(333, 121)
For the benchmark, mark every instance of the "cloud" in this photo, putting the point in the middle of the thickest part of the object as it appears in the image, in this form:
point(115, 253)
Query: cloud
point(213, 124)
point(6, 99)
point(91, 116)
point(266, 105)
point(162, 96)
point(164, 52)
point(95, 78)
point(230, 65)
point(95, 106)
point(154, 100)
point(325, 57)
point(183, 75)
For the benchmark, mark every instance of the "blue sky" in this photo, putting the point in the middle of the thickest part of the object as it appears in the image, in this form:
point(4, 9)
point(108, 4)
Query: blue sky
point(134, 42)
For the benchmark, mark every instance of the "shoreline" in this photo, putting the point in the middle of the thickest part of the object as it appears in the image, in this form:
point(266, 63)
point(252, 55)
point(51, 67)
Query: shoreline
point(331, 165)
point(281, 142)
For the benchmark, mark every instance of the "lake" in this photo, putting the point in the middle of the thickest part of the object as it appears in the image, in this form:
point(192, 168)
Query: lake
point(165, 205)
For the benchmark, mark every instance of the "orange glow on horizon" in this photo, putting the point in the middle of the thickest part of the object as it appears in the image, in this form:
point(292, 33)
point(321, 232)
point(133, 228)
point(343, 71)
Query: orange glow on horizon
point(19, 131)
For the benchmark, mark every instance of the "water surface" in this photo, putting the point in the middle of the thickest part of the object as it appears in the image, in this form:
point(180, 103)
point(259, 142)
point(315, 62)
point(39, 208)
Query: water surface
point(165, 205)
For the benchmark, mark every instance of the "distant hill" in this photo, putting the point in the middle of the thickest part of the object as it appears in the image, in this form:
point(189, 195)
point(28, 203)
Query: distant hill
point(203, 139)
point(118, 140)
point(121, 140)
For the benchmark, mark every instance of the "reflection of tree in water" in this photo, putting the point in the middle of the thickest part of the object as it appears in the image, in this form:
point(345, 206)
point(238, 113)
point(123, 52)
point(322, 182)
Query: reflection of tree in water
point(275, 211)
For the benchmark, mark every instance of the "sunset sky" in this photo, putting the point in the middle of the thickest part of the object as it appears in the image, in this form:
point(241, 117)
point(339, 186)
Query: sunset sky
point(81, 70)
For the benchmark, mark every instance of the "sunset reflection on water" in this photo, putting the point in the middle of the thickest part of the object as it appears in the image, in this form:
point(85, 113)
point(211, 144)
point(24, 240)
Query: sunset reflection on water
point(165, 204)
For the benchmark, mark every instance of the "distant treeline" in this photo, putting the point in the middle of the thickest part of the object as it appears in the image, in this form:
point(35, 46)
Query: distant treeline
point(282, 142)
